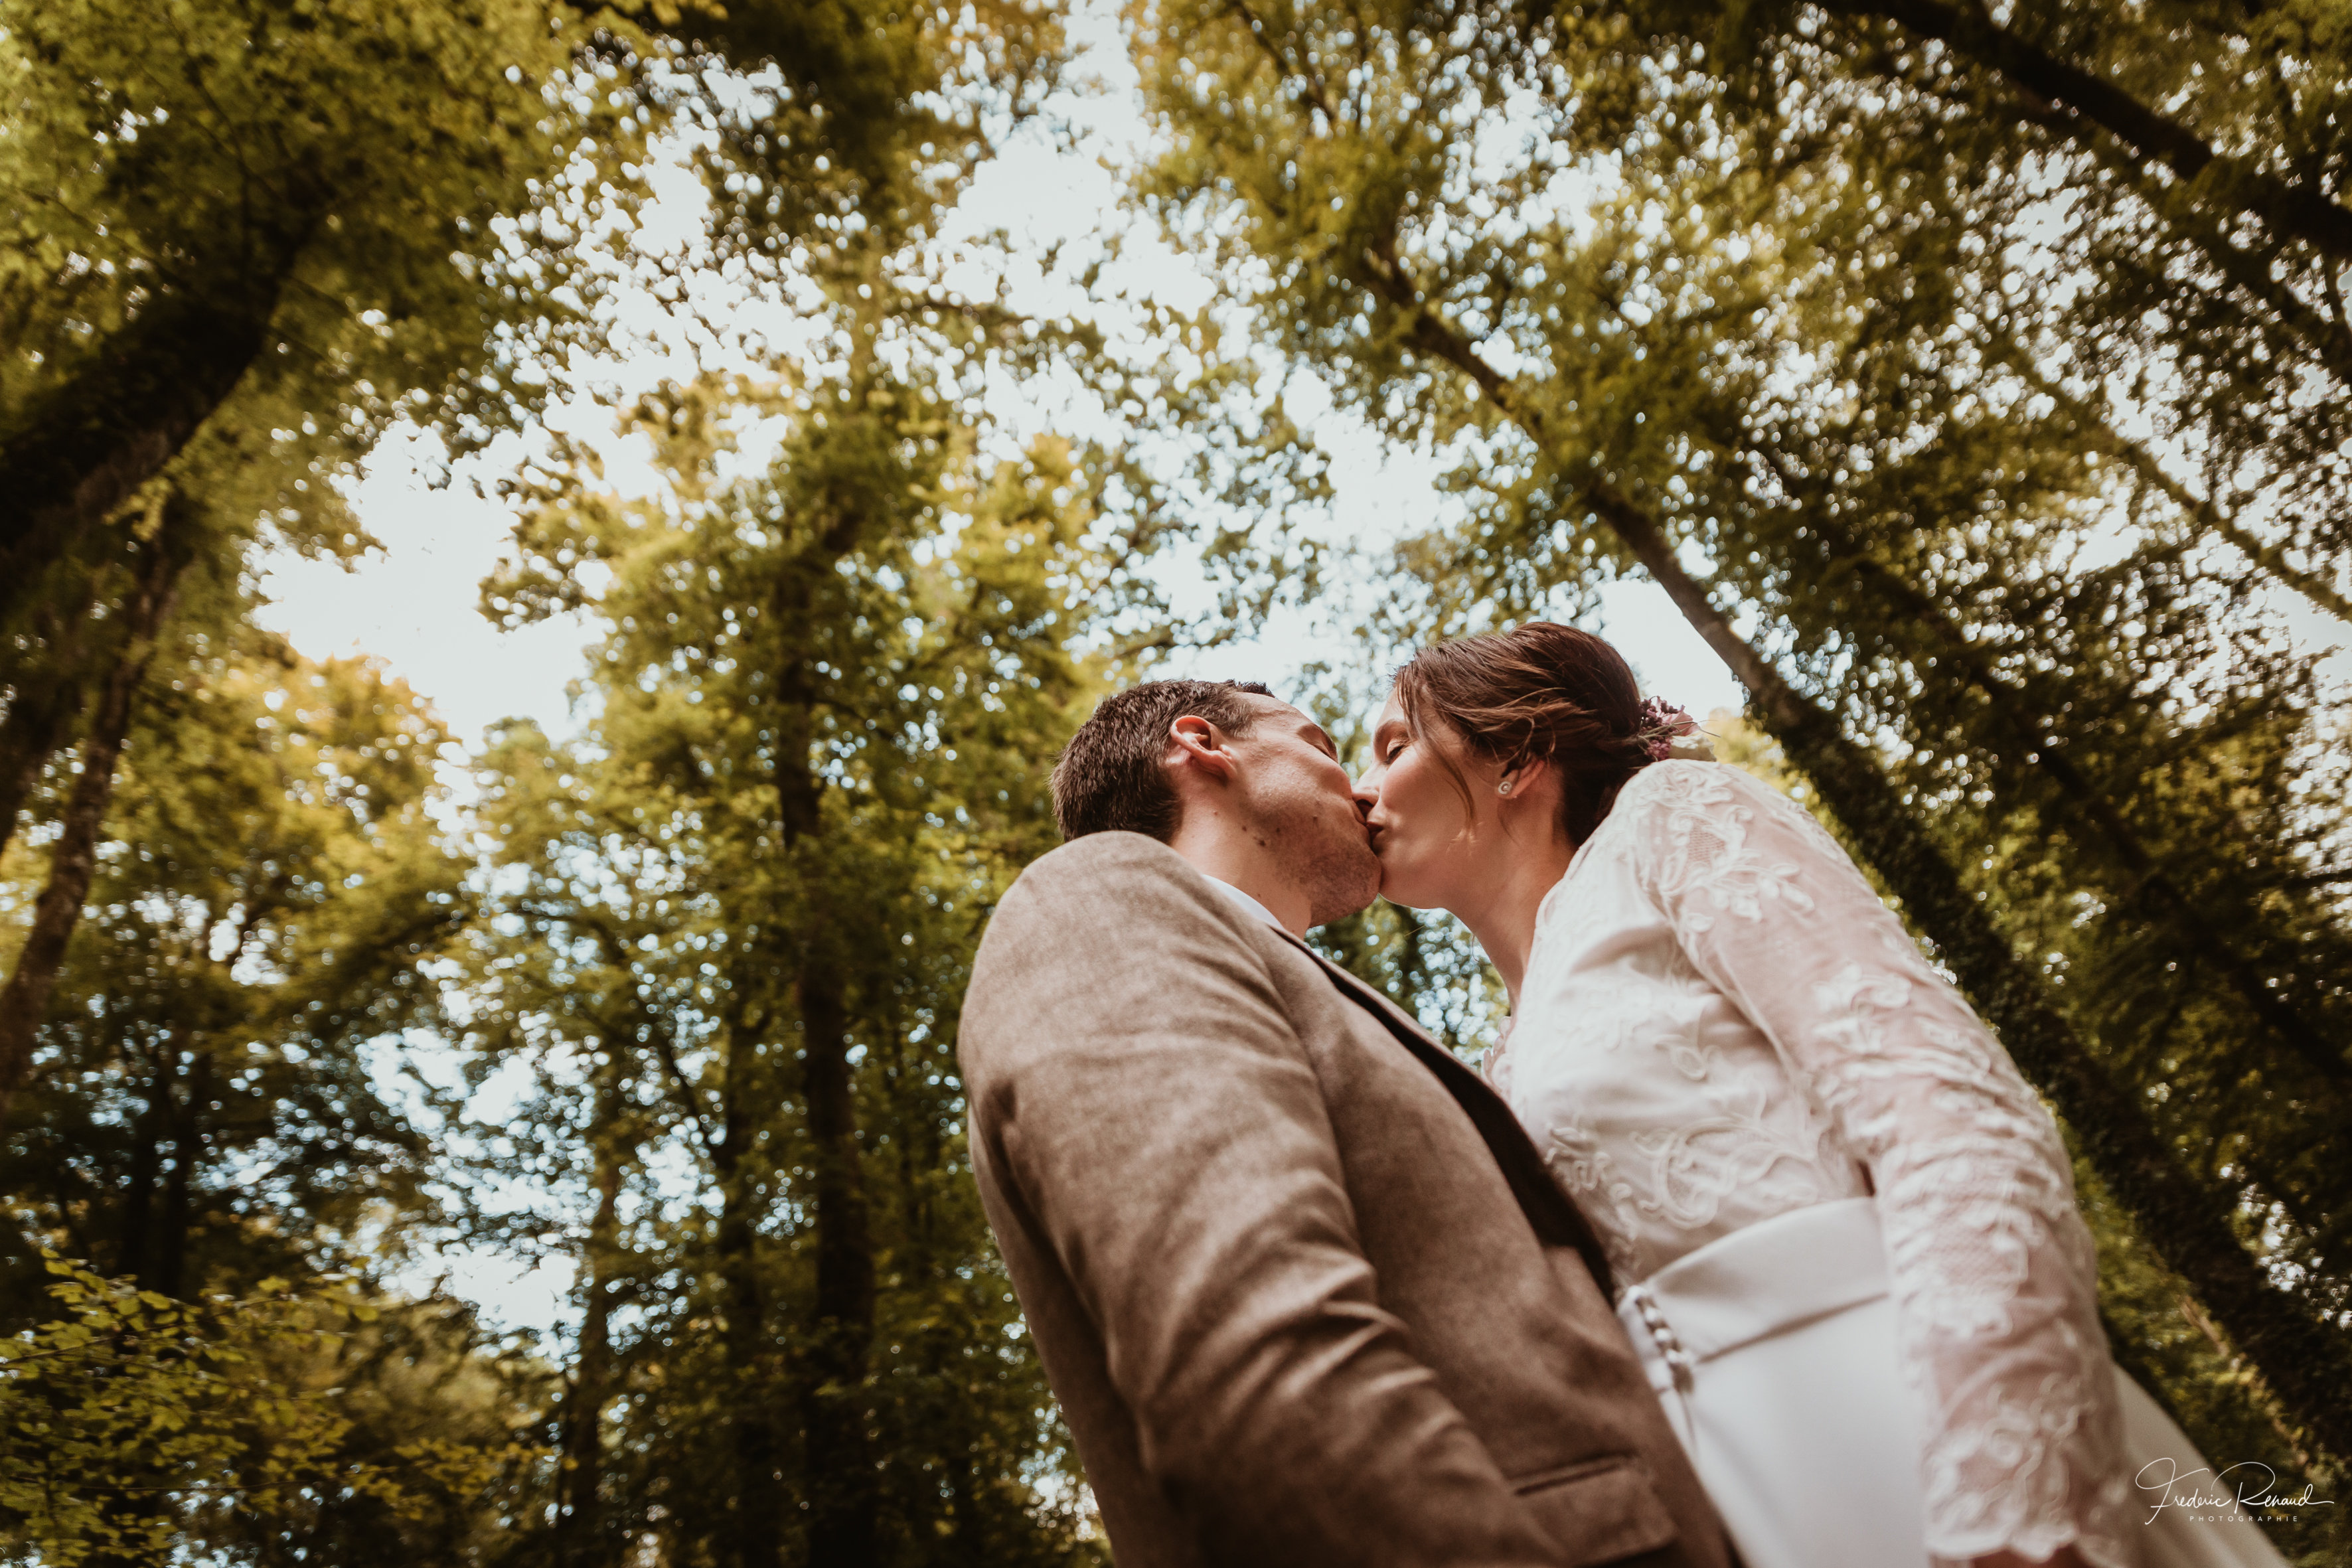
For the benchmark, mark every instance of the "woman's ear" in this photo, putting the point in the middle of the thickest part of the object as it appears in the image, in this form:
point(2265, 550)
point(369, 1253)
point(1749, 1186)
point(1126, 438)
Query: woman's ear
point(1527, 779)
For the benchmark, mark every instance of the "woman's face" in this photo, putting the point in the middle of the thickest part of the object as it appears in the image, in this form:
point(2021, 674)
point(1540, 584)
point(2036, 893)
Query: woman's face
point(1430, 857)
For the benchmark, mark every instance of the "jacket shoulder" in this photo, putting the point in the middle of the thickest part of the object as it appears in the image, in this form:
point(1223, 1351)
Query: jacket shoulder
point(1109, 901)
point(1095, 935)
point(1101, 852)
point(1110, 876)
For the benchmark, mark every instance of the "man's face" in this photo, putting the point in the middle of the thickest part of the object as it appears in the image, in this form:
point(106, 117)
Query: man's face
point(1300, 802)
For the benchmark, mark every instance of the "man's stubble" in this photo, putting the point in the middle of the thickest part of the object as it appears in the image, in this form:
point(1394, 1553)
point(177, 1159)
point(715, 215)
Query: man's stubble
point(1345, 882)
point(1332, 862)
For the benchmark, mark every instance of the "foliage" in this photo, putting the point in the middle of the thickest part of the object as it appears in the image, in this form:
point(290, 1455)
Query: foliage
point(1981, 373)
point(273, 900)
point(294, 206)
point(823, 703)
point(138, 1421)
point(2158, 193)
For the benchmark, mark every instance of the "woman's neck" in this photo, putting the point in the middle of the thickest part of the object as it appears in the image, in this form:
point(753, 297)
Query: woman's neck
point(1504, 919)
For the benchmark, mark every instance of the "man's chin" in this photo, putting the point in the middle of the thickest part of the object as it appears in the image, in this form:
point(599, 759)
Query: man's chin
point(1325, 915)
point(1341, 896)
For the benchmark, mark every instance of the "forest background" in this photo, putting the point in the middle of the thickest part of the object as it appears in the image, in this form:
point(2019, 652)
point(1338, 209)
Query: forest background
point(1959, 391)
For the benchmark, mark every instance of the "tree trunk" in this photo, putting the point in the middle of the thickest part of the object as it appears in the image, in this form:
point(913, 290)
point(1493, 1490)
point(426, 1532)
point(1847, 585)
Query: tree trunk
point(2306, 1364)
point(29, 737)
point(42, 708)
point(967, 1547)
point(2098, 109)
point(25, 1001)
point(187, 1158)
point(133, 1259)
point(582, 1539)
point(2145, 878)
point(115, 414)
point(841, 1490)
point(754, 1536)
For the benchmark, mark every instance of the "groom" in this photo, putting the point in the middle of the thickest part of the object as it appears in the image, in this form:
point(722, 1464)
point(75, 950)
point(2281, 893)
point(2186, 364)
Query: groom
point(1302, 1285)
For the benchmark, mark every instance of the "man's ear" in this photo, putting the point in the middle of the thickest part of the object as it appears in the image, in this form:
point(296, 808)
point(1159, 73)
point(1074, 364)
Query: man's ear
point(1194, 743)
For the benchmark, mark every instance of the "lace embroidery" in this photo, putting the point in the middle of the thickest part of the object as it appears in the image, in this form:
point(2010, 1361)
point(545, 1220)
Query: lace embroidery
point(1588, 1175)
point(1797, 1039)
point(1696, 1165)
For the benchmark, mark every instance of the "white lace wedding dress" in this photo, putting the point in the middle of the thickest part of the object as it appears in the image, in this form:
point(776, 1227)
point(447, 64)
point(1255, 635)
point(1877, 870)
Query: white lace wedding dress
point(1845, 1227)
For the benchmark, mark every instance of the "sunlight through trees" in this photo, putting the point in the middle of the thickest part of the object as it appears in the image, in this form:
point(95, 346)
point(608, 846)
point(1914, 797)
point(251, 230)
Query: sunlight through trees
point(1975, 381)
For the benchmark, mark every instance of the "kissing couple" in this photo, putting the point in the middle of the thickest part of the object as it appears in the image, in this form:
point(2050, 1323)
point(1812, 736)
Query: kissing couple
point(1748, 1244)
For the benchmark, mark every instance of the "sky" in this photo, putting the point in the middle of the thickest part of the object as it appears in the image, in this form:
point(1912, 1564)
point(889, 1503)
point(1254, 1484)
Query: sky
point(413, 602)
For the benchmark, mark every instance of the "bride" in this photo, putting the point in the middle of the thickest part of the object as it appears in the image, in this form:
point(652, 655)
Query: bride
point(1844, 1227)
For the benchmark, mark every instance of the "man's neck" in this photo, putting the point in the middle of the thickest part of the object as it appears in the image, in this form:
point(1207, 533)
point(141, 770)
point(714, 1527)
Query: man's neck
point(1218, 847)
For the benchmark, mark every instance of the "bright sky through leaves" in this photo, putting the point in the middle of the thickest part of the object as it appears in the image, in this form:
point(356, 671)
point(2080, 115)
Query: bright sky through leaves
point(413, 602)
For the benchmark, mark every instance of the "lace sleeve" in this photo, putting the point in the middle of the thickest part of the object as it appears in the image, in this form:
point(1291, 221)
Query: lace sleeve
point(1993, 1269)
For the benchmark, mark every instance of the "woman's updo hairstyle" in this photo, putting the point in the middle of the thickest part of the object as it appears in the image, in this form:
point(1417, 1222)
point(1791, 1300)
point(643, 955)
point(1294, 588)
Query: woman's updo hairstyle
point(1539, 692)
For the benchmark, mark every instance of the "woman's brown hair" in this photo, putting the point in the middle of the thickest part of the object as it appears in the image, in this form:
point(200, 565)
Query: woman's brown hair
point(1539, 692)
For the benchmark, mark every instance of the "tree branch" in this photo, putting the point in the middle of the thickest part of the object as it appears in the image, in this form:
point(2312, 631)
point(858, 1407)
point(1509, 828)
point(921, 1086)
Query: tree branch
point(2267, 556)
point(2289, 208)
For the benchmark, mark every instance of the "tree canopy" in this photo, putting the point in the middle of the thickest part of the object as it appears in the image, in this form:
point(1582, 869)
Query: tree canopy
point(1972, 379)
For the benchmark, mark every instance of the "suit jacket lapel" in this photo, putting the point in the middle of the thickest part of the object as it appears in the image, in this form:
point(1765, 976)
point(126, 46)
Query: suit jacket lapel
point(1557, 1220)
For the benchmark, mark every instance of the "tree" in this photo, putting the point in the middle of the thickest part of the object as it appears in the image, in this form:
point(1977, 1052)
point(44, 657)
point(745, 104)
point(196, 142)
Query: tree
point(747, 906)
point(2175, 170)
point(259, 203)
point(234, 936)
point(271, 897)
point(138, 1421)
point(243, 240)
point(161, 556)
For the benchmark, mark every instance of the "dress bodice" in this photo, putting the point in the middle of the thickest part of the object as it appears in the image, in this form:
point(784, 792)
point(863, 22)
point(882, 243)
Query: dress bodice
point(1660, 1107)
point(1720, 1023)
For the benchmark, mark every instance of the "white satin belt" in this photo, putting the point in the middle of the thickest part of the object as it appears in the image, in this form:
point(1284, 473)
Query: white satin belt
point(1761, 1278)
point(1798, 1492)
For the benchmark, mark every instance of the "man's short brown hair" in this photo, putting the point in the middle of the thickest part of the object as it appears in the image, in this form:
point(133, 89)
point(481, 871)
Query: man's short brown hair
point(1111, 777)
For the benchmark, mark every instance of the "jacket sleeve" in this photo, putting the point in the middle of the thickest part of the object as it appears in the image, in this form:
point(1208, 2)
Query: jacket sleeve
point(1148, 1110)
point(1994, 1275)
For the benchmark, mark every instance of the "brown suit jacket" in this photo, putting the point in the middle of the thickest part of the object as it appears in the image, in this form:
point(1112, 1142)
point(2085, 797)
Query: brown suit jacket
point(1291, 1309)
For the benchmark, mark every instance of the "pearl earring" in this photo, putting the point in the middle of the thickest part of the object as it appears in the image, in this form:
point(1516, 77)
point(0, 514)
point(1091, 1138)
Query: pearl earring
point(1502, 788)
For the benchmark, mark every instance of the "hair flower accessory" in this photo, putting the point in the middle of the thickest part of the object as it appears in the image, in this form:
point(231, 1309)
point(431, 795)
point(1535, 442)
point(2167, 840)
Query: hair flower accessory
point(1660, 726)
